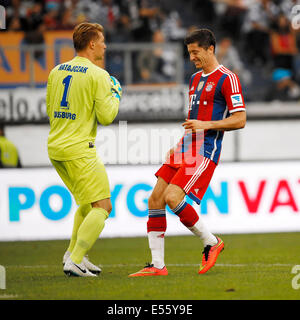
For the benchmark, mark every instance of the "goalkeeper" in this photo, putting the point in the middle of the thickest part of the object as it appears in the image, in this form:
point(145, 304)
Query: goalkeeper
point(79, 93)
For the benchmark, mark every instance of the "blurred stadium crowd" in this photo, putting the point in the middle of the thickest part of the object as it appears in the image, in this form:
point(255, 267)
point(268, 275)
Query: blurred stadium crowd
point(255, 38)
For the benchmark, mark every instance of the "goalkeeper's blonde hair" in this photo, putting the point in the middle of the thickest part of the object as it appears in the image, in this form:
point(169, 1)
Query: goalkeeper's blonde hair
point(84, 33)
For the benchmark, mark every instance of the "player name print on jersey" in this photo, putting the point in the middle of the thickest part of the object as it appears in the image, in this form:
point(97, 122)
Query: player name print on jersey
point(69, 68)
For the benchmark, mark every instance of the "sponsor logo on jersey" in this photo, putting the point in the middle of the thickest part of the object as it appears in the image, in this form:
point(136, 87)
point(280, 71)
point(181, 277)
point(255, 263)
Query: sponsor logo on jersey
point(192, 101)
point(237, 100)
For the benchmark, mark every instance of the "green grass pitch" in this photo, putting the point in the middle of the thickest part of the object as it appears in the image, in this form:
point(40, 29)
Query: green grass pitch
point(252, 267)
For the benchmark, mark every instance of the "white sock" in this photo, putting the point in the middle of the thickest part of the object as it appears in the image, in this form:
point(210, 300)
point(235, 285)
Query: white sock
point(157, 247)
point(199, 229)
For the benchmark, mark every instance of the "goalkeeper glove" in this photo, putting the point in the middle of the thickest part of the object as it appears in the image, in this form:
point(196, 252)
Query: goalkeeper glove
point(116, 88)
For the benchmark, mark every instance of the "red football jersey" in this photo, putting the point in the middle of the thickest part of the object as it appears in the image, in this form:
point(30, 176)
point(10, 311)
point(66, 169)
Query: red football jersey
point(212, 96)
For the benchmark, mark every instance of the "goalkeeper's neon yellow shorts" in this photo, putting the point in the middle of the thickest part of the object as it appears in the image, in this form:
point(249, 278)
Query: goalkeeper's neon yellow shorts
point(86, 178)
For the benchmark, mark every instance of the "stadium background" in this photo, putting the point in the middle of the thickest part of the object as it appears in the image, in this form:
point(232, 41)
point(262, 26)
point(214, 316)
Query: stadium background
point(255, 188)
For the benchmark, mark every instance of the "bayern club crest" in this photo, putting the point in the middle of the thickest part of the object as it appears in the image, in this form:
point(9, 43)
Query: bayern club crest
point(209, 86)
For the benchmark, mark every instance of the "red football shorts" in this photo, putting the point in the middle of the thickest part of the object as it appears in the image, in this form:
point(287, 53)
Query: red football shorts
point(192, 179)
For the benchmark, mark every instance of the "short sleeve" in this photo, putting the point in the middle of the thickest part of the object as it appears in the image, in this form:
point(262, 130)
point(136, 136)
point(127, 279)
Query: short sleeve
point(232, 92)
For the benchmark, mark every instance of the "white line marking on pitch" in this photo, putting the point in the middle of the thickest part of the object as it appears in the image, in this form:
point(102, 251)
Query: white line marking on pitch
point(217, 264)
point(169, 265)
point(8, 296)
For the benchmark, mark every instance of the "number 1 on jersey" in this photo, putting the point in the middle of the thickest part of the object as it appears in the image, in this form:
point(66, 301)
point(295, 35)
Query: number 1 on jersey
point(67, 83)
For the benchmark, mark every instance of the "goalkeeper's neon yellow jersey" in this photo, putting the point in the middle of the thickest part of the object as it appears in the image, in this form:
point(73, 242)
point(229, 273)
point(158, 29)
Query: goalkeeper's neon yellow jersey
point(78, 94)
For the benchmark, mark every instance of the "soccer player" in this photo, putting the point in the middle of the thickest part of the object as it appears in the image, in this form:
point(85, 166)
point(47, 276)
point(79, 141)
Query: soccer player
point(80, 93)
point(216, 105)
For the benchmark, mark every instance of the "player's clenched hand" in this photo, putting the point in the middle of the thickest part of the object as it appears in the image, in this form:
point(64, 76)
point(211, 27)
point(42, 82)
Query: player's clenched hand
point(116, 88)
point(169, 153)
point(196, 125)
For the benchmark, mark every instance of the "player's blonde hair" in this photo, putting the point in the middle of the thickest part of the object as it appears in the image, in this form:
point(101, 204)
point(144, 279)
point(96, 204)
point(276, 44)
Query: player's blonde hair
point(84, 33)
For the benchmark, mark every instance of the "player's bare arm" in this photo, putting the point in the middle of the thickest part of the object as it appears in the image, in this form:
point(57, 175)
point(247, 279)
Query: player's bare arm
point(236, 121)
